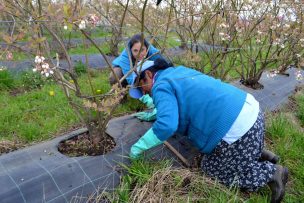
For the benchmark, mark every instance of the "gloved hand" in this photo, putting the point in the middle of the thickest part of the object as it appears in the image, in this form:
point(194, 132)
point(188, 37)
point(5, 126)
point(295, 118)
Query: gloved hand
point(147, 100)
point(147, 141)
point(146, 116)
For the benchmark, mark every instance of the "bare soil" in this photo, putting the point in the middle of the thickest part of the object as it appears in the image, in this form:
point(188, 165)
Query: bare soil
point(82, 145)
point(7, 146)
point(17, 91)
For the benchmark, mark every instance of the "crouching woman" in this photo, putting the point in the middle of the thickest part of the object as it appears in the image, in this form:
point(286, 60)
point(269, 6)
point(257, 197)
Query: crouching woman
point(223, 122)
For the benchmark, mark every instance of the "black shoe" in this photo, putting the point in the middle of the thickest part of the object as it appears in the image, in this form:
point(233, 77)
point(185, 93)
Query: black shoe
point(277, 184)
point(269, 156)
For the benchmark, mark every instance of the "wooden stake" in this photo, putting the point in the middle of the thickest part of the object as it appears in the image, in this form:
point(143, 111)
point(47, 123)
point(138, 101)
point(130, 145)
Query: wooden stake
point(185, 161)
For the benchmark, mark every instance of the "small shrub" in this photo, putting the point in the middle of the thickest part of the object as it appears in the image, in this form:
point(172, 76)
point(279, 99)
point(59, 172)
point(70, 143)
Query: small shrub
point(32, 80)
point(80, 68)
point(93, 73)
point(6, 79)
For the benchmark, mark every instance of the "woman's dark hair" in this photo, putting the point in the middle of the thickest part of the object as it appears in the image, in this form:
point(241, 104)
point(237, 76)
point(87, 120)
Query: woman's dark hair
point(137, 38)
point(159, 64)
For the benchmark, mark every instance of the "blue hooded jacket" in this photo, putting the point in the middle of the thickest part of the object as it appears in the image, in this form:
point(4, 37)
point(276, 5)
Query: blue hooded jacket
point(195, 105)
point(123, 61)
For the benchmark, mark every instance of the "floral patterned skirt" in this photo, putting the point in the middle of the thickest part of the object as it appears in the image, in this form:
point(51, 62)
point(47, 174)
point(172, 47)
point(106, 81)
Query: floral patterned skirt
point(238, 164)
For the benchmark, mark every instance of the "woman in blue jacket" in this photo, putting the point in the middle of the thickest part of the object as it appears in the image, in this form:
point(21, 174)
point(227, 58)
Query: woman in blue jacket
point(222, 121)
point(122, 66)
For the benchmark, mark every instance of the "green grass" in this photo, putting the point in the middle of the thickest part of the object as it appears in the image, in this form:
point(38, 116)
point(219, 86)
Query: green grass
point(228, 68)
point(36, 116)
point(6, 79)
point(19, 56)
point(139, 173)
point(172, 40)
point(159, 181)
point(88, 50)
point(95, 33)
point(300, 113)
point(285, 130)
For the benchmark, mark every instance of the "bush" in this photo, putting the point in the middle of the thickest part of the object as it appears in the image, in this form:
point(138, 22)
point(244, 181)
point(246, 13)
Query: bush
point(80, 68)
point(32, 80)
point(6, 79)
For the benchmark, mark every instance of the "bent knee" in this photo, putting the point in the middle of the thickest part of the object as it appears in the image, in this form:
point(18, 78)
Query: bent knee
point(118, 73)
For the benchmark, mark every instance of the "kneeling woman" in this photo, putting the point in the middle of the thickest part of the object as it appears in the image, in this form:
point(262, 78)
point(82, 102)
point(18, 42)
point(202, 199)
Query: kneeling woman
point(222, 121)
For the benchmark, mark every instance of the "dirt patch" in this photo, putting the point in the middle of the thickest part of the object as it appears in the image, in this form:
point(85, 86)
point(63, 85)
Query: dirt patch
point(82, 145)
point(7, 146)
point(252, 84)
point(17, 91)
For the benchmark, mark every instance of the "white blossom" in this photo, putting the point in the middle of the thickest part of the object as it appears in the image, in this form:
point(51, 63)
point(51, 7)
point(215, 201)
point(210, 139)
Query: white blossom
point(272, 74)
point(277, 41)
point(93, 19)
point(273, 27)
point(223, 25)
point(299, 75)
point(286, 26)
point(65, 27)
point(39, 59)
point(221, 34)
point(43, 67)
point(82, 25)
point(238, 29)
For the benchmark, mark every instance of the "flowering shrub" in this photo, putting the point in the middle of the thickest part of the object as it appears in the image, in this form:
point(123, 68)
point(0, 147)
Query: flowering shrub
point(43, 67)
point(247, 37)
